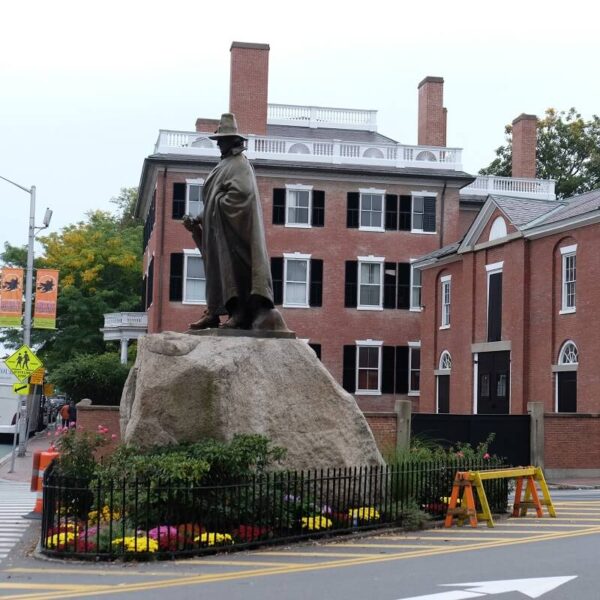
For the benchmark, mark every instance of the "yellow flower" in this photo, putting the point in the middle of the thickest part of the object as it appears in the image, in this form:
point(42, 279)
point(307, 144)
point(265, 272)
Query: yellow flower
point(365, 513)
point(105, 515)
point(136, 544)
point(213, 539)
point(316, 523)
point(58, 539)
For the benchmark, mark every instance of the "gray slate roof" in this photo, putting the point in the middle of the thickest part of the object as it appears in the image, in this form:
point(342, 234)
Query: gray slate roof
point(440, 252)
point(575, 206)
point(323, 133)
point(521, 211)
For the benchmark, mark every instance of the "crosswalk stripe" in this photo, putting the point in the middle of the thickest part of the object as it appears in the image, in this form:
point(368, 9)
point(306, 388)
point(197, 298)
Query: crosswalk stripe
point(15, 501)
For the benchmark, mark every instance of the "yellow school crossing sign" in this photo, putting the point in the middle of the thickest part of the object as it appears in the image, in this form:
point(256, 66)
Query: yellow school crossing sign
point(23, 362)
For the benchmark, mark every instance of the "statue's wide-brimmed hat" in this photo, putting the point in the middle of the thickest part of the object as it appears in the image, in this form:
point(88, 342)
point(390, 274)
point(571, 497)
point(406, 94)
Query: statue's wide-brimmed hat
point(227, 128)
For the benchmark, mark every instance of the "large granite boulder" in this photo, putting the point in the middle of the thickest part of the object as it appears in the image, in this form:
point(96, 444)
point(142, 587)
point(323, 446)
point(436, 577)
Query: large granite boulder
point(184, 388)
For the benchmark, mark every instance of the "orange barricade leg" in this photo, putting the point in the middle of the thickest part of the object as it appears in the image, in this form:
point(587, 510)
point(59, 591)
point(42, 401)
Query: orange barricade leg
point(518, 492)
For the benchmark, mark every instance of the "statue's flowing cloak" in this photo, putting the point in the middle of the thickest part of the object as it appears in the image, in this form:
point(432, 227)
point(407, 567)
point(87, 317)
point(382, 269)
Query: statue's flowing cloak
point(233, 241)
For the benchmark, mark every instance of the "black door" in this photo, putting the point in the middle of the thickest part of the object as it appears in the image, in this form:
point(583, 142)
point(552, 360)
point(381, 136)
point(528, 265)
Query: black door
point(493, 385)
point(567, 391)
point(443, 382)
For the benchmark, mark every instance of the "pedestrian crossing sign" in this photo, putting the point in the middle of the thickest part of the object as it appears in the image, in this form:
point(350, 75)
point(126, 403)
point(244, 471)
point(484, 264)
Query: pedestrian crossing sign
point(23, 362)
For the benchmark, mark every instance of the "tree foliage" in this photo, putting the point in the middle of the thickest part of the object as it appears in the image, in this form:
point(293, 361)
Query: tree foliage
point(100, 266)
point(568, 150)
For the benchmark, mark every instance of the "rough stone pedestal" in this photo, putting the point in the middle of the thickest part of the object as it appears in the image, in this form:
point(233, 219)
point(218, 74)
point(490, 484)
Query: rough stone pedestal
point(184, 388)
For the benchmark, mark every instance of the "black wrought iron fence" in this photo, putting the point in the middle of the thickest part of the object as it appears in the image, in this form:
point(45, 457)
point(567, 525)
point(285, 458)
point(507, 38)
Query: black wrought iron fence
point(108, 519)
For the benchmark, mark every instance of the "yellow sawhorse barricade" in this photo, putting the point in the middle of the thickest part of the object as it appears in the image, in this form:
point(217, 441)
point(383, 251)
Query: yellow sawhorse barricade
point(465, 481)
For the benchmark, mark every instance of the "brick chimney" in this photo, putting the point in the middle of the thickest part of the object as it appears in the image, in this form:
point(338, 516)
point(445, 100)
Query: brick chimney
point(524, 145)
point(432, 114)
point(207, 125)
point(248, 86)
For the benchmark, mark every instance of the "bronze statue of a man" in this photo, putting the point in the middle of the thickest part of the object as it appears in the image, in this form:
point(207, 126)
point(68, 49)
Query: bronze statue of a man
point(230, 235)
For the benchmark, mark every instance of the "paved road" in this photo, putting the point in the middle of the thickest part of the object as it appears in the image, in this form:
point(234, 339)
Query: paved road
point(15, 500)
point(392, 566)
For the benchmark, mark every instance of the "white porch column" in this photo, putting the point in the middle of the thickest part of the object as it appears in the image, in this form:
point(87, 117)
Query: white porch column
point(124, 342)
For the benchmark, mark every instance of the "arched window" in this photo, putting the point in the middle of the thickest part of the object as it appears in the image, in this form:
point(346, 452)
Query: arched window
point(566, 378)
point(373, 153)
point(498, 229)
point(445, 361)
point(299, 149)
point(569, 355)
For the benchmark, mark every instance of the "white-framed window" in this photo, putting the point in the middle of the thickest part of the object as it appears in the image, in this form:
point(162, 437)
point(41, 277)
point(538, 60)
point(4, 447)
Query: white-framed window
point(296, 277)
point(414, 368)
point(370, 282)
point(423, 212)
point(445, 363)
point(498, 229)
point(194, 203)
point(569, 278)
point(371, 209)
point(415, 288)
point(446, 296)
point(565, 377)
point(298, 205)
point(368, 367)
point(569, 355)
point(194, 278)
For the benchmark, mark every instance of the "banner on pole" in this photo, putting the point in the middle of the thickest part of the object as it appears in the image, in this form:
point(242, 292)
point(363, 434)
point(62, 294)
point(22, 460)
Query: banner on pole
point(11, 297)
point(46, 293)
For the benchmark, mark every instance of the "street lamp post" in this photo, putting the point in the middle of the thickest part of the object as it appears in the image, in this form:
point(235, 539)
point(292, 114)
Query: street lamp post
point(23, 410)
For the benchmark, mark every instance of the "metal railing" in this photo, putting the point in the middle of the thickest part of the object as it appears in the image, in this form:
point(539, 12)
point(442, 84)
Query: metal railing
point(108, 519)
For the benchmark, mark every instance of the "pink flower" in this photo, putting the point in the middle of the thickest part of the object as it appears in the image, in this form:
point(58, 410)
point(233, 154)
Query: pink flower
point(459, 453)
point(49, 434)
point(113, 436)
point(486, 456)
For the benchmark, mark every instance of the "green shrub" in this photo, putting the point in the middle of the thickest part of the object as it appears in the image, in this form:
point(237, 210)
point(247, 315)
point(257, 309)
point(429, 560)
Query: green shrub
point(99, 377)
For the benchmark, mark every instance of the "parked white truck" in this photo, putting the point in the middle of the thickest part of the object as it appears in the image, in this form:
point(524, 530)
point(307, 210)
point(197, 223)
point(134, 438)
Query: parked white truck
point(9, 401)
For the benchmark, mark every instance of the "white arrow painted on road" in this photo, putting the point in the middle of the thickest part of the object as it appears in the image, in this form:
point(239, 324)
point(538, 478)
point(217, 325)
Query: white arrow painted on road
point(532, 587)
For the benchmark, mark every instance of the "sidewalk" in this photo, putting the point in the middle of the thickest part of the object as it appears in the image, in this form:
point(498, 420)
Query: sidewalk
point(24, 464)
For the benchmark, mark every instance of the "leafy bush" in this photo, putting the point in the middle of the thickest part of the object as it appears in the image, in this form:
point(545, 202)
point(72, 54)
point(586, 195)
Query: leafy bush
point(100, 377)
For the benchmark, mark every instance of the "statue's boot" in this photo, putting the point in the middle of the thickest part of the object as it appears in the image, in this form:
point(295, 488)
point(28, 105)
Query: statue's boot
point(207, 321)
point(237, 320)
point(269, 319)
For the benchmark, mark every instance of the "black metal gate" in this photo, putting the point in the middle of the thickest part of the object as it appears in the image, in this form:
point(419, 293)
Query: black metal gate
point(511, 440)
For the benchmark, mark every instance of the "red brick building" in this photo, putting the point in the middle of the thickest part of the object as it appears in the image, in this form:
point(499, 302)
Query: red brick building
point(346, 210)
point(510, 313)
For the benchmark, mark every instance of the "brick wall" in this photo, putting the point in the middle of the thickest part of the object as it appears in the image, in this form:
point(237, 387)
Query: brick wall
point(524, 138)
point(572, 441)
point(432, 114)
point(90, 417)
point(384, 428)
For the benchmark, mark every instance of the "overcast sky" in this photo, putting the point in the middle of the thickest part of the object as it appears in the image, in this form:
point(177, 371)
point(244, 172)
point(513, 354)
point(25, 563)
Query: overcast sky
point(85, 86)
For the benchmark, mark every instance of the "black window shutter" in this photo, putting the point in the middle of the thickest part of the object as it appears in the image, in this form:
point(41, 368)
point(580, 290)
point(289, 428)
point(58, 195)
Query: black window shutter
point(150, 290)
point(495, 308)
point(389, 285)
point(352, 212)
point(391, 212)
point(316, 283)
point(144, 284)
point(429, 213)
point(349, 378)
point(277, 276)
point(402, 369)
point(178, 200)
point(318, 208)
point(405, 213)
point(387, 369)
point(317, 349)
point(351, 290)
point(279, 206)
point(403, 285)
point(176, 277)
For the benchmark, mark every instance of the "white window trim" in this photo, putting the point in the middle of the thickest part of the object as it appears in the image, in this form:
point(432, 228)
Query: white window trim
point(411, 307)
point(198, 181)
point(187, 253)
point(421, 194)
point(446, 279)
point(566, 252)
point(371, 191)
point(290, 187)
point(411, 346)
point(364, 344)
point(296, 256)
point(370, 259)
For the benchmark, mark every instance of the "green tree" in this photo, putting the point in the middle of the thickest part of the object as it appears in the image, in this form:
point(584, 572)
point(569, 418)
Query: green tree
point(100, 266)
point(568, 150)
